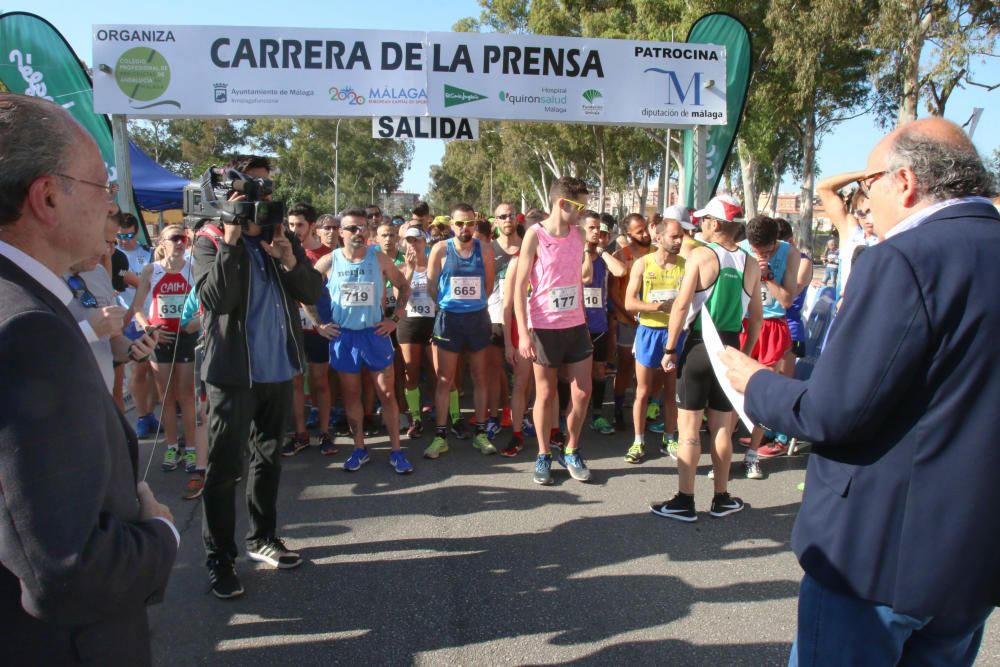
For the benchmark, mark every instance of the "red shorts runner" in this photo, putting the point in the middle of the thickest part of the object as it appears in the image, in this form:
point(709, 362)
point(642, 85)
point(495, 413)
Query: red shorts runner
point(774, 341)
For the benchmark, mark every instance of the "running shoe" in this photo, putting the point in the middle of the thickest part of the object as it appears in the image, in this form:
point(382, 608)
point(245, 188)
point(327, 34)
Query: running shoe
point(460, 429)
point(711, 473)
point(143, 427)
point(223, 580)
point(492, 428)
point(743, 442)
point(527, 428)
point(358, 458)
point(170, 458)
point(195, 485)
point(295, 444)
point(654, 427)
point(513, 448)
point(724, 504)
point(481, 442)
point(679, 507)
point(669, 446)
point(312, 418)
point(339, 426)
point(506, 421)
point(558, 439)
point(753, 469)
point(543, 470)
point(326, 446)
point(190, 461)
point(636, 453)
point(602, 426)
point(274, 553)
point(576, 466)
point(437, 447)
point(399, 463)
point(652, 411)
point(772, 450)
point(416, 429)
point(370, 426)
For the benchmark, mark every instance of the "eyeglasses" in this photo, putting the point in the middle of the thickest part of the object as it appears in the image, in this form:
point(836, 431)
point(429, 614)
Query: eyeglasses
point(351, 229)
point(126, 237)
point(80, 291)
point(110, 189)
point(463, 223)
point(859, 214)
point(506, 216)
point(866, 183)
point(575, 204)
point(177, 239)
point(327, 228)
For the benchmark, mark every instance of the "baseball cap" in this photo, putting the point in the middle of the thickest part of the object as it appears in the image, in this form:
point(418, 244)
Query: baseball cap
point(681, 215)
point(722, 207)
point(605, 228)
point(413, 233)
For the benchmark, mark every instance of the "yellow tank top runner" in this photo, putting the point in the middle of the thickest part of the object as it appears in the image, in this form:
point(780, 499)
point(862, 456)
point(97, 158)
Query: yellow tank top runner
point(659, 285)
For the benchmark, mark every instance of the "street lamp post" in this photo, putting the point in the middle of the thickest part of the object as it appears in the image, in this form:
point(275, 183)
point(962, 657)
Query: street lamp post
point(491, 186)
point(336, 168)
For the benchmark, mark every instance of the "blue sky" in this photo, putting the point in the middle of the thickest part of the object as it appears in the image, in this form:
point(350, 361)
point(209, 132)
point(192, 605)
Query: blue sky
point(846, 148)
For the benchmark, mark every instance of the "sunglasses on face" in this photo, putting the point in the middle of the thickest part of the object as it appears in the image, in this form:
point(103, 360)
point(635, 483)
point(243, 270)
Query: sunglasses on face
point(351, 229)
point(859, 214)
point(126, 237)
point(81, 292)
point(463, 223)
point(575, 204)
point(506, 216)
point(177, 239)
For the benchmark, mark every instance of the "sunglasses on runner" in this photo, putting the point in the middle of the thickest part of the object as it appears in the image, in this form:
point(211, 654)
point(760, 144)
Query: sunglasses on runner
point(81, 292)
point(177, 239)
point(506, 216)
point(463, 223)
point(575, 204)
point(351, 229)
point(126, 237)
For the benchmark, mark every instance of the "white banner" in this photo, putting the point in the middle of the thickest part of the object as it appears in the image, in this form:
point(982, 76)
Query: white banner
point(192, 71)
point(425, 127)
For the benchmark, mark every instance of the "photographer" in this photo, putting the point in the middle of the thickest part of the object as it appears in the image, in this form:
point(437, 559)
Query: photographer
point(248, 279)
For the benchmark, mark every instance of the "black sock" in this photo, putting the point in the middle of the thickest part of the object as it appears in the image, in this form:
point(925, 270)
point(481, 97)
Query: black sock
point(480, 428)
point(686, 496)
point(597, 395)
point(442, 431)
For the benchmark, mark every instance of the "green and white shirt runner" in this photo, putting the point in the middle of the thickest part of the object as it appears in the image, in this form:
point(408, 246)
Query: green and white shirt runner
point(726, 298)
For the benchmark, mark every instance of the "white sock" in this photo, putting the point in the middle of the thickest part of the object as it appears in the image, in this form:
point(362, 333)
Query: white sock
point(751, 456)
point(640, 439)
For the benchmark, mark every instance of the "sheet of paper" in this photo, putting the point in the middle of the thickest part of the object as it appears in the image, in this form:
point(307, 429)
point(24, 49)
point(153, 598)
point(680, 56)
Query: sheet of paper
point(713, 345)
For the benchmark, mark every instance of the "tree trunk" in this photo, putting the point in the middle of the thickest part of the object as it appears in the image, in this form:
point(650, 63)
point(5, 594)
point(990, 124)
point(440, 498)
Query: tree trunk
point(663, 181)
point(778, 172)
point(910, 95)
point(748, 169)
point(808, 185)
point(643, 190)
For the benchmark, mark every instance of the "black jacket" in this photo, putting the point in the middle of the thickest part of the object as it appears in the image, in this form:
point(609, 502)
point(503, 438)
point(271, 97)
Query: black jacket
point(77, 563)
point(222, 279)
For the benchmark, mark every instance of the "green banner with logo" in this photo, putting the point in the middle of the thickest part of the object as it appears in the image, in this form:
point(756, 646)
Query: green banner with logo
point(36, 60)
point(728, 31)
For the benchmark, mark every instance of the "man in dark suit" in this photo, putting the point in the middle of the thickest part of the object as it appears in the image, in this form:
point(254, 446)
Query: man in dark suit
point(83, 548)
point(897, 532)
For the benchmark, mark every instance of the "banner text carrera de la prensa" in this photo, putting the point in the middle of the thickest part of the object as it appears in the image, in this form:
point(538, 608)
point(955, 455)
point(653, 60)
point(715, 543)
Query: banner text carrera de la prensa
point(408, 56)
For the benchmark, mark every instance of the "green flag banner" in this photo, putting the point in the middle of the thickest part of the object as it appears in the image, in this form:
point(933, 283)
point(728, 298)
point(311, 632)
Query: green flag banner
point(728, 31)
point(36, 60)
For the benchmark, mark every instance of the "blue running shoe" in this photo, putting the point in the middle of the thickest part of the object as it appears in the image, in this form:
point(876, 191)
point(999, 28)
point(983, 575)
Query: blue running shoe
point(492, 428)
point(655, 427)
point(312, 419)
point(358, 458)
point(399, 463)
point(527, 428)
point(142, 429)
point(574, 463)
point(543, 470)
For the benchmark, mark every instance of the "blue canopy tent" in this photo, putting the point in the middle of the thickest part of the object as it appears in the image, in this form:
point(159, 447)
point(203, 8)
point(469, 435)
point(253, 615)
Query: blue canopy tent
point(155, 188)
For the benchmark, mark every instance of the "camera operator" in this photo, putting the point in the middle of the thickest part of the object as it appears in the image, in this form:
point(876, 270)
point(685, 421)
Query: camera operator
point(249, 281)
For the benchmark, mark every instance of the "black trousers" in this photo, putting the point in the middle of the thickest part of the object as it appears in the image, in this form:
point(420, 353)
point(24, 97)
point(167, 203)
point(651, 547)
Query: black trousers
point(239, 418)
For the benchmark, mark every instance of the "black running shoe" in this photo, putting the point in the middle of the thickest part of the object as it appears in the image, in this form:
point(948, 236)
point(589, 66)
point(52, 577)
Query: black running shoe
point(371, 426)
point(223, 580)
point(274, 553)
point(460, 429)
point(724, 504)
point(679, 507)
point(416, 429)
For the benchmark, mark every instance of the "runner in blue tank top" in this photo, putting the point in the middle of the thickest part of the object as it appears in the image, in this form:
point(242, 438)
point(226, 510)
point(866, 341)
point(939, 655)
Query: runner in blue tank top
point(356, 279)
point(458, 273)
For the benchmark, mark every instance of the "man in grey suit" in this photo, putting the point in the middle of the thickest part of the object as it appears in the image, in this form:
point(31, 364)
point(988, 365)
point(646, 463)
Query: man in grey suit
point(83, 548)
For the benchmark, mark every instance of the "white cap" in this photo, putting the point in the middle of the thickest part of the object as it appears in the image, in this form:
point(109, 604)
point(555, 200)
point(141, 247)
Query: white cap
point(681, 215)
point(604, 228)
point(722, 207)
point(413, 233)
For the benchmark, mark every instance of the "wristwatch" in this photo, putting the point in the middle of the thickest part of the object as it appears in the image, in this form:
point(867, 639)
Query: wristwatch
point(669, 350)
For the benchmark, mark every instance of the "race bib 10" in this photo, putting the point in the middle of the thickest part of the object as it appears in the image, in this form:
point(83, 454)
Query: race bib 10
point(592, 297)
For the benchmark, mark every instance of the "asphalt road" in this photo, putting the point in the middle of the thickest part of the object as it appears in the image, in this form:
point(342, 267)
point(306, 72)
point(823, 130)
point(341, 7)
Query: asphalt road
point(467, 562)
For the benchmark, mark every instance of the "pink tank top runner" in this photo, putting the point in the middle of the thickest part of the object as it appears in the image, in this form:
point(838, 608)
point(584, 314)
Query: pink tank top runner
point(556, 300)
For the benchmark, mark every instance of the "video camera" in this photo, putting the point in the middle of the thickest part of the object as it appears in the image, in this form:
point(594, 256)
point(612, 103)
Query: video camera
point(218, 184)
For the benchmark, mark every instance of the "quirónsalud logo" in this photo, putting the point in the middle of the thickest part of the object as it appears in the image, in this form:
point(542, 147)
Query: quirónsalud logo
point(454, 96)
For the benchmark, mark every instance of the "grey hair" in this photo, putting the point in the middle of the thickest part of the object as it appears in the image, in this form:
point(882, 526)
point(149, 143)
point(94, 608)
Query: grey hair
point(943, 169)
point(36, 139)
